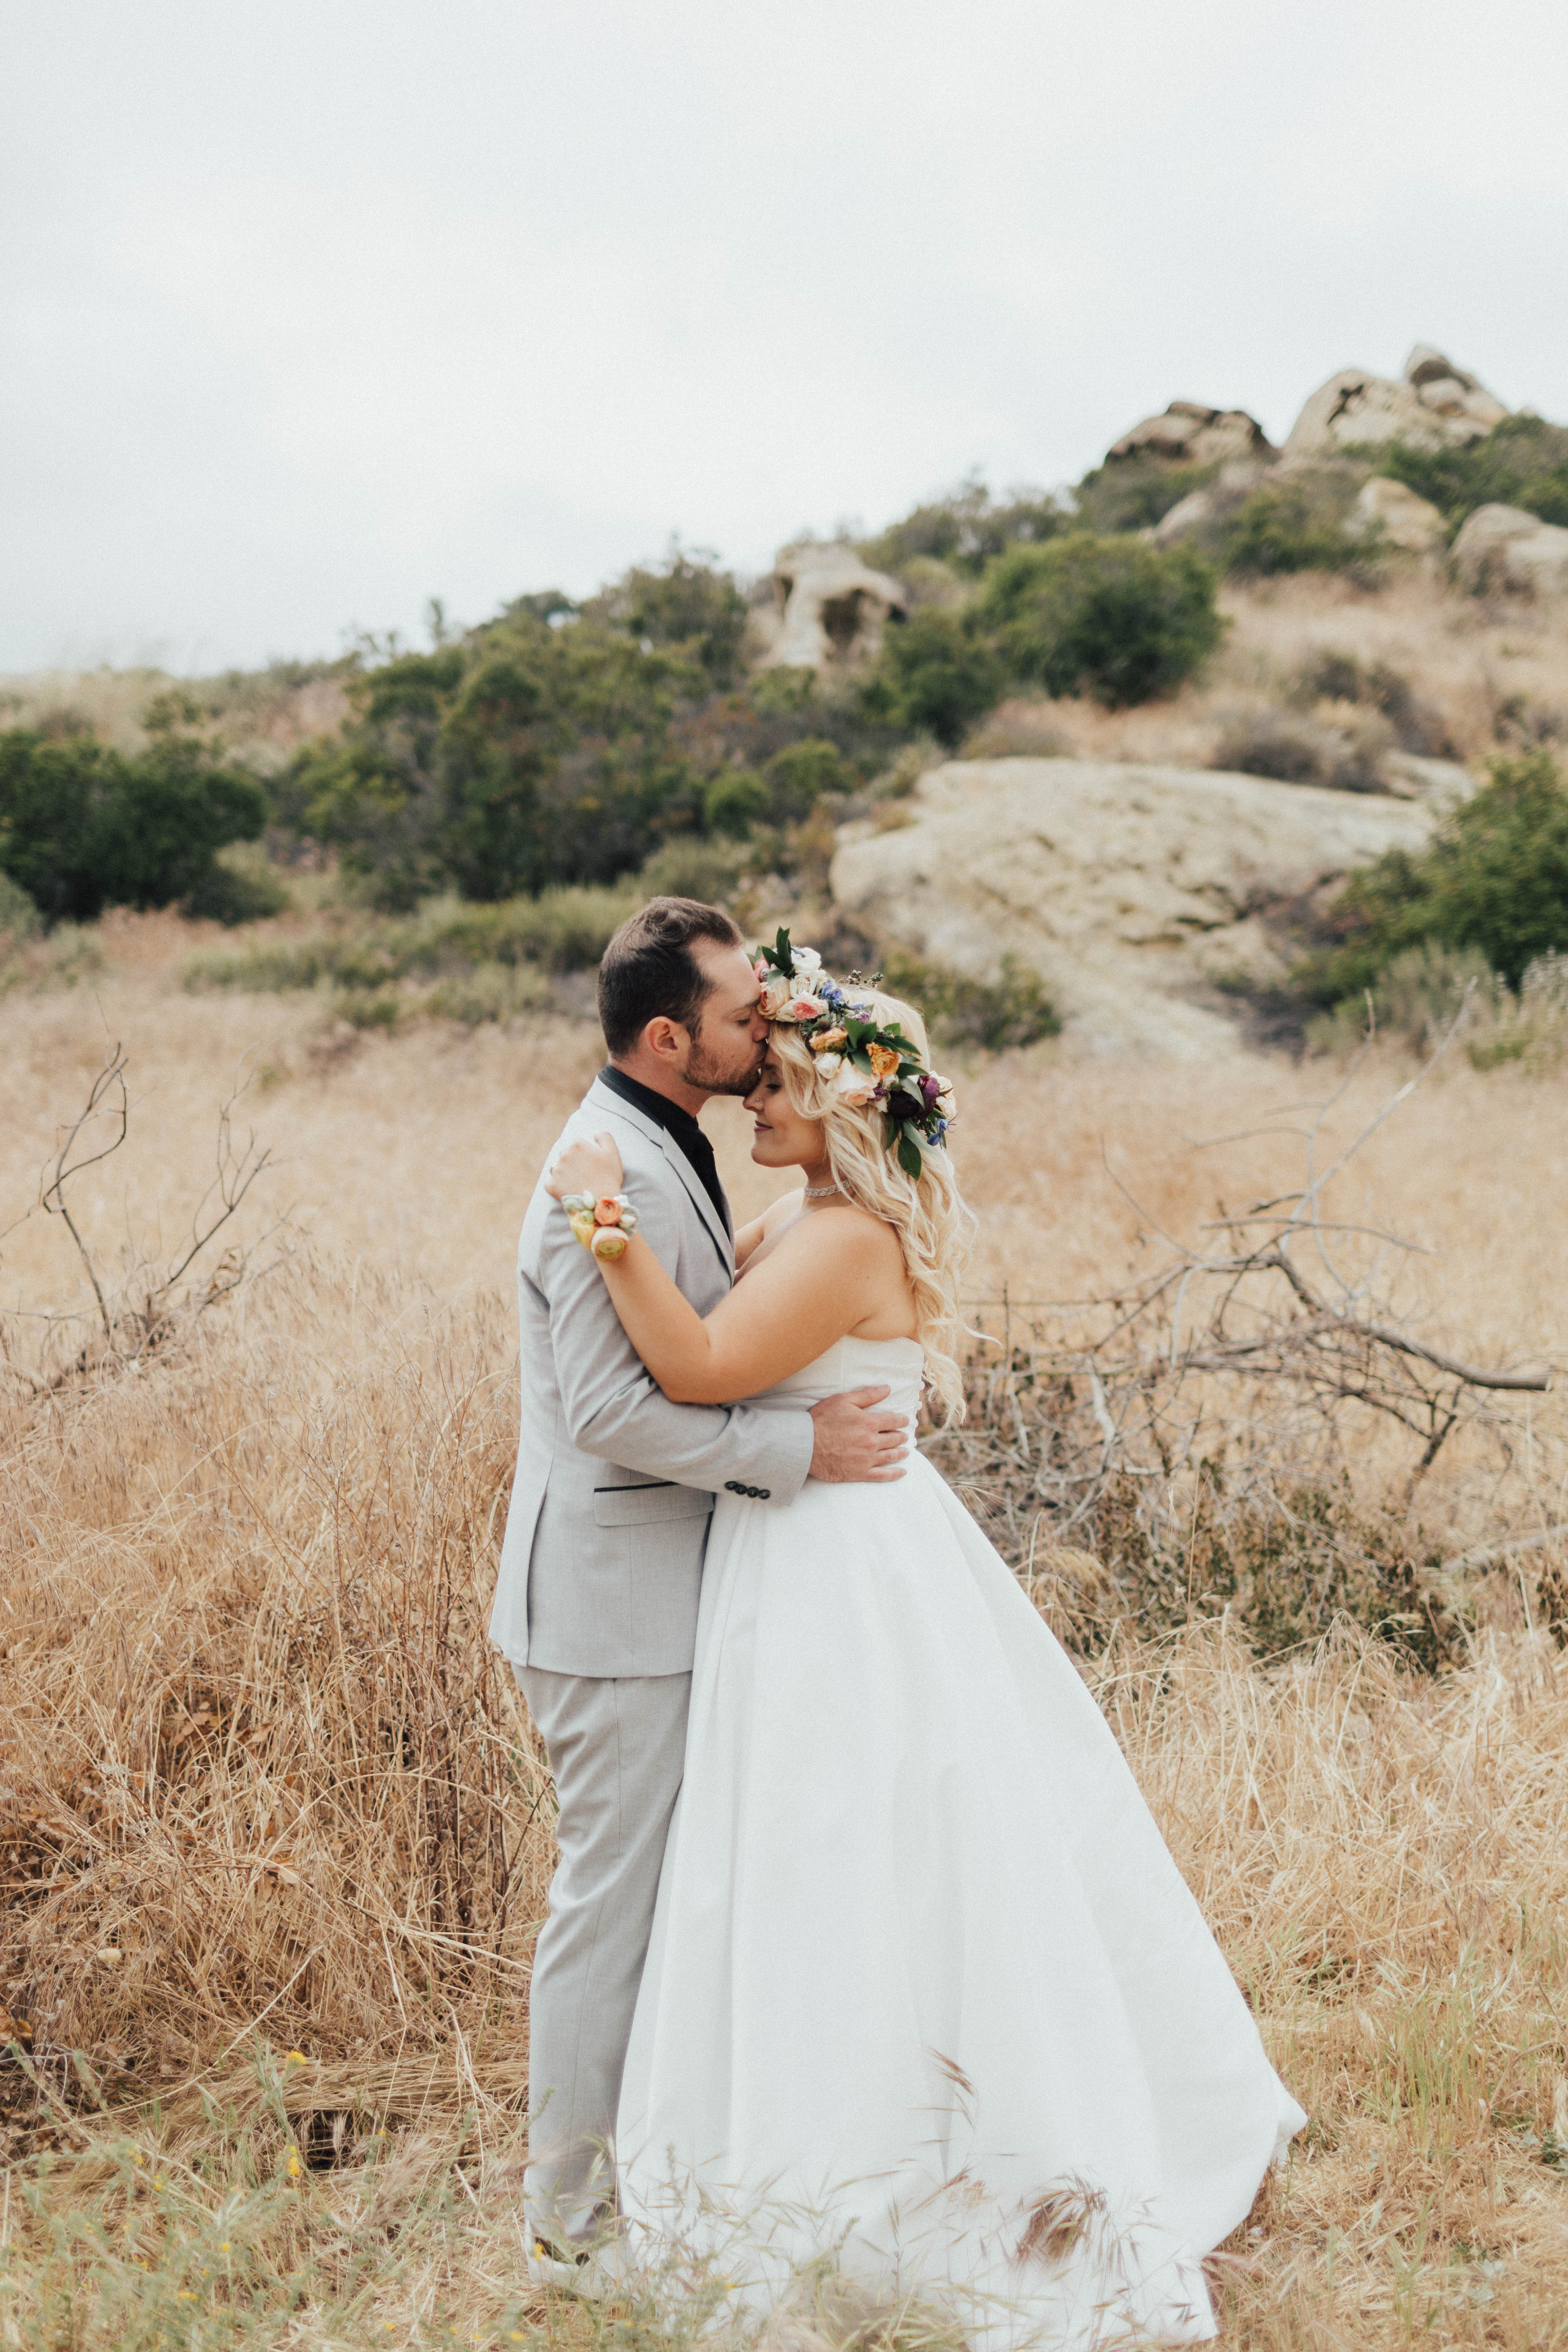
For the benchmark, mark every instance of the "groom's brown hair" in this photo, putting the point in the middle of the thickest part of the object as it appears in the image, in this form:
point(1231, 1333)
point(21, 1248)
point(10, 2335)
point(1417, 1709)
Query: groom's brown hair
point(649, 969)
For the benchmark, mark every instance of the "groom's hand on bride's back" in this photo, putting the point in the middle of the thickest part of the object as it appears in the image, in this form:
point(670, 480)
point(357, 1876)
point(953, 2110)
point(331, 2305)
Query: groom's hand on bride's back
point(856, 1441)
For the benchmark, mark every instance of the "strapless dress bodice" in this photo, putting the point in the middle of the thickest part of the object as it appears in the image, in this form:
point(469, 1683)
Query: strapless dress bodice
point(850, 1363)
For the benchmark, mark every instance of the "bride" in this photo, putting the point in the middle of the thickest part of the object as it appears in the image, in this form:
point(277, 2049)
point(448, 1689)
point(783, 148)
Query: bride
point(926, 1996)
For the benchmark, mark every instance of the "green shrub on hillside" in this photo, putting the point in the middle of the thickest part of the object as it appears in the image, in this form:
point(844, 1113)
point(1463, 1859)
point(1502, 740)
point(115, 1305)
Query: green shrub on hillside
point(527, 757)
point(1495, 880)
point(1296, 525)
point(1115, 618)
point(559, 931)
point(966, 529)
point(687, 607)
point(803, 774)
point(1014, 1009)
point(936, 675)
point(82, 828)
point(1523, 463)
point(1135, 493)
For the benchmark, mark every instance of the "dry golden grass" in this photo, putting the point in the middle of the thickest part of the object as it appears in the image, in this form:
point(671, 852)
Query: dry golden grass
point(1473, 661)
point(253, 1744)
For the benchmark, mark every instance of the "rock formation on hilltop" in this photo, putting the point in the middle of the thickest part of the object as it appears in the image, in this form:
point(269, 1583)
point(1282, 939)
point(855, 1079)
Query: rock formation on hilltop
point(1433, 405)
point(1187, 434)
point(826, 610)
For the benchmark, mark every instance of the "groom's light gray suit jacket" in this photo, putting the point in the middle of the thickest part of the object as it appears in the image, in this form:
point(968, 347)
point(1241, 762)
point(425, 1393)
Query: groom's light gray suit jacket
point(602, 1564)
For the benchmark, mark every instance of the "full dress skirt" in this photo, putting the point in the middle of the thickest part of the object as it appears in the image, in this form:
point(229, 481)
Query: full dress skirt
point(927, 1999)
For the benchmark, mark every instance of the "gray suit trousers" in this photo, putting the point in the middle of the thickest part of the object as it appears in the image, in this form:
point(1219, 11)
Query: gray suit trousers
point(616, 1747)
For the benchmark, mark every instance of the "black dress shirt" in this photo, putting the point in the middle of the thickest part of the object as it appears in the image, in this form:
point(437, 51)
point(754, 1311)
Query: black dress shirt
point(679, 1123)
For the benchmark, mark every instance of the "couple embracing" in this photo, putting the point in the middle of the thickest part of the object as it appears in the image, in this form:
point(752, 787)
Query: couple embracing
point(863, 1944)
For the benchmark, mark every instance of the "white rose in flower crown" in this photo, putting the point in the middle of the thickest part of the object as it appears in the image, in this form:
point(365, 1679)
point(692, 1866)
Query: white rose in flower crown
point(853, 1085)
point(829, 1065)
point(946, 1104)
point(806, 960)
point(777, 994)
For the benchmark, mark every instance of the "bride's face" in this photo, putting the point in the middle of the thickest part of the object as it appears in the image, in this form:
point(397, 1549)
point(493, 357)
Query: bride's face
point(780, 1136)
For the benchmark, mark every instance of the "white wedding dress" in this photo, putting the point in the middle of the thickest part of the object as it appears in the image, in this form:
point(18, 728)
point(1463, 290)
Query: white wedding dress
point(926, 1993)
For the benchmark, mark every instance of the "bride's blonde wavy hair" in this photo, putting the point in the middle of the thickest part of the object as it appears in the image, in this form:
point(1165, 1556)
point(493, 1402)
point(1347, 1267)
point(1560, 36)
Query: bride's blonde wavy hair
point(933, 1227)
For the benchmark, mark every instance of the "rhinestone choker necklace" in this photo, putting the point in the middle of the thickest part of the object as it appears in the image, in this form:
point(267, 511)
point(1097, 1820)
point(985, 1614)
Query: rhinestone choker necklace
point(819, 1191)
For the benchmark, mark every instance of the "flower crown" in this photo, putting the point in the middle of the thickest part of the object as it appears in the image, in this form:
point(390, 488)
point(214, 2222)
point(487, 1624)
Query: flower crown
point(863, 1062)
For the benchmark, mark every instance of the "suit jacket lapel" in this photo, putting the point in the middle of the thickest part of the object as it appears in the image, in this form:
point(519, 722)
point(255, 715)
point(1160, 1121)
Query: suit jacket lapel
point(699, 1199)
point(602, 1099)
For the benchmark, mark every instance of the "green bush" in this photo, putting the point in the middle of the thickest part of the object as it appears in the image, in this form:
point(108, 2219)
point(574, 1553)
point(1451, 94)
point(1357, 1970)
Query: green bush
point(82, 828)
point(966, 529)
point(1291, 525)
point(803, 774)
point(733, 802)
point(1135, 493)
point(687, 605)
point(559, 931)
point(1014, 1009)
point(1495, 880)
point(1523, 463)
point(936, 675)
point(528, 757)
point(1113, 617)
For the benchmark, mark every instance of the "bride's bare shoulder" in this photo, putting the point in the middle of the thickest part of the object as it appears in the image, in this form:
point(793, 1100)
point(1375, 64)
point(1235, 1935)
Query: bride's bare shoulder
point(838, 1229)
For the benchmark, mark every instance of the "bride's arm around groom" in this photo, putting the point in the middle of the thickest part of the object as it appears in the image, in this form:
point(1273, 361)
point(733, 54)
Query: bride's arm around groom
point(597, 1600)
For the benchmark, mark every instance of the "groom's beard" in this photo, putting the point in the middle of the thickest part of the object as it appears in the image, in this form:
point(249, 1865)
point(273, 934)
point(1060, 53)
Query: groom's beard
point(703, 1071)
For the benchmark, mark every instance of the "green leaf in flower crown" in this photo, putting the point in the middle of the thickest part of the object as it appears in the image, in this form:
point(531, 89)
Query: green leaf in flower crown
point(908, 1154)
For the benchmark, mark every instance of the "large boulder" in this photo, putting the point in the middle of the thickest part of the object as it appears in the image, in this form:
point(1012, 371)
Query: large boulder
point(827, 610)
point(1386, 511)
point(1187, 434)
point(1135, 892)
point(1433, 405)
point(1505, 547)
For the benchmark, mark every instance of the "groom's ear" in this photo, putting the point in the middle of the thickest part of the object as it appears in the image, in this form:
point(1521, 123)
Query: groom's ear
point(665, 1038)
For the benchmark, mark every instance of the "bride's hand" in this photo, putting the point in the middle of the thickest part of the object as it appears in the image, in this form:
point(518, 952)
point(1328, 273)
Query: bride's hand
point(594, 1167)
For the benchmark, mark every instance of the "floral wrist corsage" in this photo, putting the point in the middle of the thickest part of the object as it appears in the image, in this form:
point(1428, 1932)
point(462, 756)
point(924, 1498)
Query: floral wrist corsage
point(604, 1225)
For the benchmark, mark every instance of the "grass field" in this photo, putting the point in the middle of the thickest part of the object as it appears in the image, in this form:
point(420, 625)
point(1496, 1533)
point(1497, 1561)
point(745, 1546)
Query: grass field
point(275, 1833)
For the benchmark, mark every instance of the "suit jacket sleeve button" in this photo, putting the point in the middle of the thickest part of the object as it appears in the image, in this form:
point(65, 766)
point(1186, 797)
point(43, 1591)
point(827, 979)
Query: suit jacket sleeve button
point(763, 1494)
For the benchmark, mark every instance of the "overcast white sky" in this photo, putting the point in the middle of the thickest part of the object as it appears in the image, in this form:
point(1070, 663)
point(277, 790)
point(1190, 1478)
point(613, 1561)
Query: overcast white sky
point(312, 310)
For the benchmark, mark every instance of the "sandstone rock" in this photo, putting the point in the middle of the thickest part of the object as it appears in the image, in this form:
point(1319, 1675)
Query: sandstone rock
point(1505, 547)
point(1409, 775)
point(1185, 518)
point(1128, 888)
point(1387, 511)
point(1191, 515)
point(1190, 435)
point(828, 608)
point(1431, 406)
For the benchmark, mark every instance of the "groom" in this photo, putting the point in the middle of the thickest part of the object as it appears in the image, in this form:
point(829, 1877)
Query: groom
point(601, 1565)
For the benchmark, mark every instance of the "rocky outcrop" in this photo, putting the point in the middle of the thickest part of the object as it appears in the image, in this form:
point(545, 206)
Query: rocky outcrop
point(827, 610)
point(1187, 434)
point(1431, 406)
point(1132, 890)
point(1191, 517)
point(1387, 513)
point(1506, 547)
